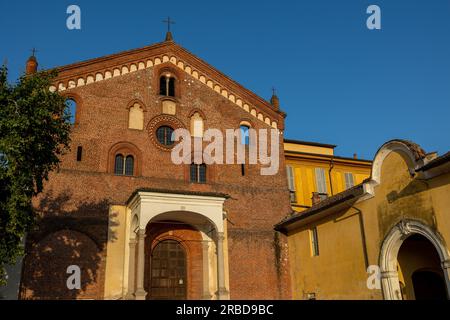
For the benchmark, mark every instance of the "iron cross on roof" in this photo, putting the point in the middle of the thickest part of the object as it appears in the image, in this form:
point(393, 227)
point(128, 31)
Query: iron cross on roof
point(33, 52)
point(169, 22)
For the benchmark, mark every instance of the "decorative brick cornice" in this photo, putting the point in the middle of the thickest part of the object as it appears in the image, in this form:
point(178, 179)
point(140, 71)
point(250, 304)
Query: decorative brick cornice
point(112, 66)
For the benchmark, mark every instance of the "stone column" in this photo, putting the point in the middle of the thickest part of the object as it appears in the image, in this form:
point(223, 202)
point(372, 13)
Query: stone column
point(390, 285)
point(446, 269)
point(131, 270)
point(140, 291)
point(206, 292)
point(222, 292)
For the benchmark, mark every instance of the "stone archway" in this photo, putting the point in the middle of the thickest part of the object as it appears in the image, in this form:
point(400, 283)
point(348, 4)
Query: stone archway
point(203, 212)
point(390, 250)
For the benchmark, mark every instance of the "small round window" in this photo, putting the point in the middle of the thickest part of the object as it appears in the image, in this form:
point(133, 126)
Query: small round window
point(164, 135)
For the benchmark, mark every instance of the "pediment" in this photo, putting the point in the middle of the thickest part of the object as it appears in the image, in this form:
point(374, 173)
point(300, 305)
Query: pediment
point(120, 64)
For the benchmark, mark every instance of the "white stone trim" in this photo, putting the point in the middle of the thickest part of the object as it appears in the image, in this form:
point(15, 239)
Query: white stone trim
point(148, 205)
point(389, 252)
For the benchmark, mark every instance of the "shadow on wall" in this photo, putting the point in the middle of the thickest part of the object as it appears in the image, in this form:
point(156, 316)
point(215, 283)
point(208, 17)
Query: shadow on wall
point(68, 233)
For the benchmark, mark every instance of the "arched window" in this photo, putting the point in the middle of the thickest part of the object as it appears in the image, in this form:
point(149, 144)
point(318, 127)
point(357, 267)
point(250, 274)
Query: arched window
point(245, 137)
point(118, 164)
point(124, 158)
point(198, 173)
point(71, 109)
point(164, 135)
point(129, 165)
point(136, 117)
point(196, 125)
point(167, 85)
point(124, 165)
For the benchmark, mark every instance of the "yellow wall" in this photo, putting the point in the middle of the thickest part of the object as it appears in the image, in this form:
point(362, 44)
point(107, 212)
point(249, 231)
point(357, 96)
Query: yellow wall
point(115, 254)
point(305, 181)
point(331, 274)
point(339, 272)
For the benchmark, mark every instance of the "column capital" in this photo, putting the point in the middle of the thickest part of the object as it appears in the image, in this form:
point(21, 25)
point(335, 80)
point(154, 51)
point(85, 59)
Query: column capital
point(220, 236)
point(141, 233)
point(446, 264)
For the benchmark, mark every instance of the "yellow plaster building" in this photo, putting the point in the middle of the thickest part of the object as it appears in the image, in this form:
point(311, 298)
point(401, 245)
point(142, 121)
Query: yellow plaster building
point(314, 170)
point(385, 238)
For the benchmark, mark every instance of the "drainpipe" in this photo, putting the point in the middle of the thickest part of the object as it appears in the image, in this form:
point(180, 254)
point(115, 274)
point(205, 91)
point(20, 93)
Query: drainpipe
point(329, 175)
point(363, 236)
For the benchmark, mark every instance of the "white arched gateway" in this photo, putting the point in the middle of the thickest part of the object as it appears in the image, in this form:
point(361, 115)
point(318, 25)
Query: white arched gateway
point(390, 249)
point(203, 211)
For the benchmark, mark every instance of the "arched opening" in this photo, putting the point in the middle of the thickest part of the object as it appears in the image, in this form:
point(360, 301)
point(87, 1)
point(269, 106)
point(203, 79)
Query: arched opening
point(410, 251)
point(71, 110)
point(420, 269)
point(168, 276)
point(118, 164)
point(245, 136)
point(197, 125)
point(136, 117)
point(167, 85)
point(129, 165)
point(174, 259)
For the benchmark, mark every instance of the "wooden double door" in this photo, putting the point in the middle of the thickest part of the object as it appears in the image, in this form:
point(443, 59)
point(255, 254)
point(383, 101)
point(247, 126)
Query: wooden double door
point(168, 264)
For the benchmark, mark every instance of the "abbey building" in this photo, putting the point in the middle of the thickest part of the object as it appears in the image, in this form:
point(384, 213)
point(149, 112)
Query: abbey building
point(139, 226)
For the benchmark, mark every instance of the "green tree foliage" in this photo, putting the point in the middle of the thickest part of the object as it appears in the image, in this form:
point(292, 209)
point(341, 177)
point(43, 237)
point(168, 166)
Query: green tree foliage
point(34, 133)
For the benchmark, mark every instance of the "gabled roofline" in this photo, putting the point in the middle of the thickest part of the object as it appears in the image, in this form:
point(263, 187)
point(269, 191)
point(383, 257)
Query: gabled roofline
point(125, 53)
point(170, 47)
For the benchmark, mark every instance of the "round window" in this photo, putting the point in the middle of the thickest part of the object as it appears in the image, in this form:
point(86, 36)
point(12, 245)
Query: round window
point(164, 135)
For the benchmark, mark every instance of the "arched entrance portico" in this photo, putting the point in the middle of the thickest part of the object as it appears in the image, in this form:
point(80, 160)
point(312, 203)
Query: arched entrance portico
point(396, 240)
point(196, 222)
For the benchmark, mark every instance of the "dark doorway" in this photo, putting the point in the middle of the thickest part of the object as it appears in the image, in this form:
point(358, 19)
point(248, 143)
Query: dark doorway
point(168, 271)
point(420, 270)
point(428, 285)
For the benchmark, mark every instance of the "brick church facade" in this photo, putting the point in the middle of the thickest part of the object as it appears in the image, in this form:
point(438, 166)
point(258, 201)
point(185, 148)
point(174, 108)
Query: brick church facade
point(139, 226)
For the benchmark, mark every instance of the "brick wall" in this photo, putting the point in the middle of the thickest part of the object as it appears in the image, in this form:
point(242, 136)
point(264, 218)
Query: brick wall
point(83, 190)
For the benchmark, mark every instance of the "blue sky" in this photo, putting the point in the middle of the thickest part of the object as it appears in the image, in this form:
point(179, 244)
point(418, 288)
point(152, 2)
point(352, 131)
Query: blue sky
point(339, 82)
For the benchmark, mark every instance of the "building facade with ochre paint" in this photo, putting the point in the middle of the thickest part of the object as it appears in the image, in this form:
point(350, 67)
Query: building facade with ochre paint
point(385, 238)
point(314, 172)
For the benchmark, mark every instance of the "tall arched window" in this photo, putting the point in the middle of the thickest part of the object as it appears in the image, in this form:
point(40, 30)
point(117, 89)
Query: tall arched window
point(167, 85)
point(196, 125)
point(136, 117)
point(198, 173)
point(245, 137)
point(71, 109)
point(129, 166)
point(118, 164)
point(124, 166)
